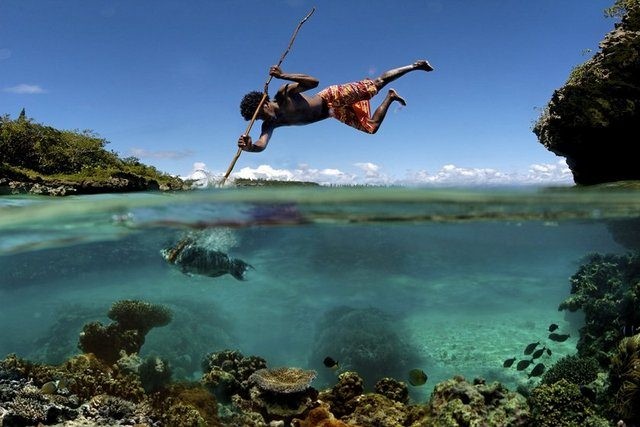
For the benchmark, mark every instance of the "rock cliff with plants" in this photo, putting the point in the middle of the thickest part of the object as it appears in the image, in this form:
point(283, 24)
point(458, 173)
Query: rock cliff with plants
point(594, 119)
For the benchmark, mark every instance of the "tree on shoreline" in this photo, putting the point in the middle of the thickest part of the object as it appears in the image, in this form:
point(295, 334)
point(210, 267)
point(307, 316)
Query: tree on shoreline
point(43, 150)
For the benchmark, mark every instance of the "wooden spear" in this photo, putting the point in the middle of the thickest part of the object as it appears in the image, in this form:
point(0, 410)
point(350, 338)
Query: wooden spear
point(265, 95)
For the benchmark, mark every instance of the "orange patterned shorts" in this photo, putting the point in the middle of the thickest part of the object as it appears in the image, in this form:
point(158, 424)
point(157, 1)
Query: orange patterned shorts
point(349, 103)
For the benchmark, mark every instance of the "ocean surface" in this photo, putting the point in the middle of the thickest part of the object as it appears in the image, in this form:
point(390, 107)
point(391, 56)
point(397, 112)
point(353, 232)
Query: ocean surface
point(384, 280)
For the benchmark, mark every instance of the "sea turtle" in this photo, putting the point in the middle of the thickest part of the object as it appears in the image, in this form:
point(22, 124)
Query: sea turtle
point(195, 259)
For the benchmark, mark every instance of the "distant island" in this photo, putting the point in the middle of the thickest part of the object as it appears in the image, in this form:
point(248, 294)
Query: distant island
point(39, 159)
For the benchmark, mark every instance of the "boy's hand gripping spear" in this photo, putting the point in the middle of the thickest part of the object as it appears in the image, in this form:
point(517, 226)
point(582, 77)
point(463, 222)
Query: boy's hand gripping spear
point(265, 95)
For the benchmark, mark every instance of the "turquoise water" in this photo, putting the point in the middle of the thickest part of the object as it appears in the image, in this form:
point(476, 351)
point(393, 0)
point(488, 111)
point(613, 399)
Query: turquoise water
point(383, 280)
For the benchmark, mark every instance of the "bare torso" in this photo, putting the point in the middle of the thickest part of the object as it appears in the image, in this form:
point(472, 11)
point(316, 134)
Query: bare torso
point(298, 109)
point(290, 107)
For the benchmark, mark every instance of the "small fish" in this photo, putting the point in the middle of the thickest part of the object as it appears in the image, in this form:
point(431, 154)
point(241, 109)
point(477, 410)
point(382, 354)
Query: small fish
point(539, 352)
point(628, 331)
point(558, 337)
point(531, 347)
point(523, 364)
point(507, 363)
point(417, 377)
point(537, 370)
point(330, 363)
point(50, 387)
point(548, 352)
point(553, 327)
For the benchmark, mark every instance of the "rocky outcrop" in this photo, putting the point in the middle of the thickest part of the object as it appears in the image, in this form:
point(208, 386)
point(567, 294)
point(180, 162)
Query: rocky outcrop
point(119, 182)
point(594, 119)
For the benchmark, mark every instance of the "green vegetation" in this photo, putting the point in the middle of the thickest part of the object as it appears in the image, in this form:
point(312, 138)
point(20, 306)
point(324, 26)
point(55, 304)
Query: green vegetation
point(29, 149)
point(621, 7)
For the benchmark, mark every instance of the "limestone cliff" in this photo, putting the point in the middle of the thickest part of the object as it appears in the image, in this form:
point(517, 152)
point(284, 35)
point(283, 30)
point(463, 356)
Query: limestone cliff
point(594, 119)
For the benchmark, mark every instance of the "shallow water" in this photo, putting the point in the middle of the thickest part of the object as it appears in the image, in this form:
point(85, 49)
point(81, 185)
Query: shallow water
point(449, 281)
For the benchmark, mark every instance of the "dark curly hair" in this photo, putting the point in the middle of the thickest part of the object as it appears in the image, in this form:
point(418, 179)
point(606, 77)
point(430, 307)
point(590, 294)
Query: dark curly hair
point(249, 104)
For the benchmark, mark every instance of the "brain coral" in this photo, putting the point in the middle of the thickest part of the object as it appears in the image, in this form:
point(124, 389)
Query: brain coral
point(283, 380)
point(575, 369)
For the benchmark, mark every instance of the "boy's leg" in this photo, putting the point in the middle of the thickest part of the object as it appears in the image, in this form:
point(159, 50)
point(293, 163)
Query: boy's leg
point(392, 75)
point(381, 111)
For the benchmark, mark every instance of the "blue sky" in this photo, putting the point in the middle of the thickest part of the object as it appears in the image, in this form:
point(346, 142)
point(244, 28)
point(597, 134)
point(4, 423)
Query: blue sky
point(162, 80)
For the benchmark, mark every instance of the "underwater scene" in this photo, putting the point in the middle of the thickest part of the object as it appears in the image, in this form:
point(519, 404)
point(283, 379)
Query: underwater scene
point(321, 307)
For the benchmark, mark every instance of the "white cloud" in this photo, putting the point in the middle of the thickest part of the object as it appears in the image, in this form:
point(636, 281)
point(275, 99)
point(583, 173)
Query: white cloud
point(25, 89)
point(5, 53)
point(454, 175)
point(550, 173)
point(371, 174)
point(265, 172)
point(368, 167)
point(537, 174)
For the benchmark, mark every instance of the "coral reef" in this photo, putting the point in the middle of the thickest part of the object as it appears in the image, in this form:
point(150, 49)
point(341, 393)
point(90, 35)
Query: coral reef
point(363, 340)
point(14, 367)
point(108, 342)
point(607, 289)
point(283, 393)
point(377, 410)
point(340, 397)
point(109, 410)
point(575, 369)
point(227, 372)
point(393, 389)
point(30, 407)
point(456, 402)
point(319, 417)
point(88, 376)
point(132, 321)
point(560, 404)
point(624, 378)
point(89, 392)
point(27, 400)
point(592, 119)
point(140, 316)
point(155, 373)
point(189, 405)
point(283, 380)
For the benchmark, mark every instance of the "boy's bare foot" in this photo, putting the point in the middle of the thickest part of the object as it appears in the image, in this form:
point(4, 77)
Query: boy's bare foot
point(395, 97)
point(423, 65)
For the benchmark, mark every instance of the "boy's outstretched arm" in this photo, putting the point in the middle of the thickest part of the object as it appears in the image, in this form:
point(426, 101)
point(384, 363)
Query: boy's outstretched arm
point(302, 82)
point(246, 143)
